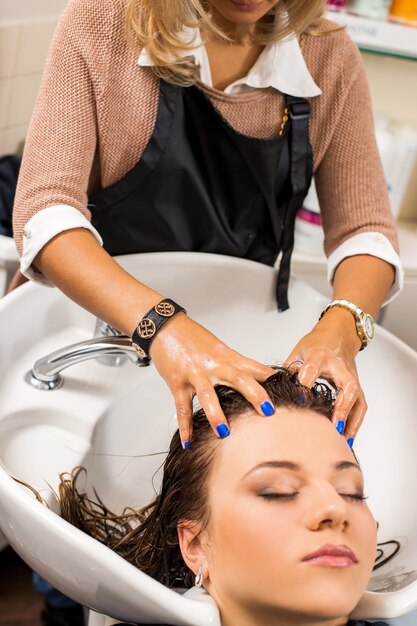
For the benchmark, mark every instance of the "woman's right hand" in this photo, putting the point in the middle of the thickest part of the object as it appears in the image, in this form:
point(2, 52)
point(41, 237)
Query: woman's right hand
point(192, 361)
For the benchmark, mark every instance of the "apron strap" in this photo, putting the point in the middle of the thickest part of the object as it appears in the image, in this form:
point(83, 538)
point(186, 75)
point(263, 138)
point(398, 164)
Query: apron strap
point(301, 169)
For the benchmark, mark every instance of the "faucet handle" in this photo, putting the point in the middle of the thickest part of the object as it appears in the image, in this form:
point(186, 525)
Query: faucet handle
point(102, 329)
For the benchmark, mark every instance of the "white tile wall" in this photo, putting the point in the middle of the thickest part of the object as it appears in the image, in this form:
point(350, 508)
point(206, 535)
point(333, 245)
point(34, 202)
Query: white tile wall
point(30, 10)
point(31, 56)
point(9, 38)
point(23, 50)
point(24, 91)
point(13, 139)
point(6, 85)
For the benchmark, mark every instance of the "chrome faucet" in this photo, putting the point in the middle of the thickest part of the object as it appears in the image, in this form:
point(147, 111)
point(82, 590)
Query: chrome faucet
point(102, 329)
point(45, 374)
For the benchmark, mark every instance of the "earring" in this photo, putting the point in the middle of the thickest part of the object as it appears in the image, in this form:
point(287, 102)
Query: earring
point(199, 578)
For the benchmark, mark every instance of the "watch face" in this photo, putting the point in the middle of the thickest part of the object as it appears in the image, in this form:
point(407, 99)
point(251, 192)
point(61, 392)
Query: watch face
point(369, 327)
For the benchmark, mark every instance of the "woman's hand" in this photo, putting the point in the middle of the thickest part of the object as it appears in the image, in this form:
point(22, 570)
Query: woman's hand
point(192, 361)
point(329, 350)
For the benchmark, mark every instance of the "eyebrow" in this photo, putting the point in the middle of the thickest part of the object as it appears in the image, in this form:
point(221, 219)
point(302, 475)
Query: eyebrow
point(295, 467)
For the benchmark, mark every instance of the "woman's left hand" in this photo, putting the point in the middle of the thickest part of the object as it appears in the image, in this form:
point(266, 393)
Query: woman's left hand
point(329, 350)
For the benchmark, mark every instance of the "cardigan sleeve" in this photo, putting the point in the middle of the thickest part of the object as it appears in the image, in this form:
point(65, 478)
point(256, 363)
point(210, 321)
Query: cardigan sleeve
point(350, 181)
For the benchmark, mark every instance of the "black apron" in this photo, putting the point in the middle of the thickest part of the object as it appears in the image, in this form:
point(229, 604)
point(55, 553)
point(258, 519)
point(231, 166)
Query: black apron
point(200, 186)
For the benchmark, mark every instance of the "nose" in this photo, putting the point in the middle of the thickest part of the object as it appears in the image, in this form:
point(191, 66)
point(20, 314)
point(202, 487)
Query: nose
point(327, 509)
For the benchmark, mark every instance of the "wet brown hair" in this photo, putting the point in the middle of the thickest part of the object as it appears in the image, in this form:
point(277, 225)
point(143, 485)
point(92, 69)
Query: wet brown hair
point(148, 538)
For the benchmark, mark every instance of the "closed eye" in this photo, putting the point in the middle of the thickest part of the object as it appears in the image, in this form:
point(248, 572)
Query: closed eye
point(354, 496)
point(278, 496)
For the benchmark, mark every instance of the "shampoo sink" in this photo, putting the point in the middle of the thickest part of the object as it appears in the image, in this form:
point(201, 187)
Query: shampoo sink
point(117, 422)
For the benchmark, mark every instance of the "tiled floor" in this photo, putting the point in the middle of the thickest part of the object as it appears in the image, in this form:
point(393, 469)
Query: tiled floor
point(19, 604)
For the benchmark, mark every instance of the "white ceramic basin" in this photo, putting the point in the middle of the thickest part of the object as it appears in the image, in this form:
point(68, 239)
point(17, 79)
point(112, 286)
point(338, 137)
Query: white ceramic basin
point(118, 421)
point(9, 261)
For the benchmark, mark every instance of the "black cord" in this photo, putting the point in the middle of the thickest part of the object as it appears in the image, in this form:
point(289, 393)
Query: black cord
point(380, 553)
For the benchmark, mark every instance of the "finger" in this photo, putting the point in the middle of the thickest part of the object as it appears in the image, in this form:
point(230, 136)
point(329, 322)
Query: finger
point(211, 407)
point(308, 373)
point(253, 368)
point(355, 418)
point(344, 403)
point(294, 365)
point(250, 389)
point(293, 360)
point(183, 398)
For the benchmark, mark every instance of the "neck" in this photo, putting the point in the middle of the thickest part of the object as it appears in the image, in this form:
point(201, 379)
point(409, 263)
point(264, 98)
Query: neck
point(229, 62)
point(231, 616)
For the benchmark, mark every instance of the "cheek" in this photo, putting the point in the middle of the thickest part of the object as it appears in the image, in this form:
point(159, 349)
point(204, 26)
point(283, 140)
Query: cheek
point(366, 537)
point(246, 536)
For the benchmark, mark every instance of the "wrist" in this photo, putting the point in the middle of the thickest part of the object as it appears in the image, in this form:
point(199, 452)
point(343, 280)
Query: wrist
point(150, 325)
point(364, 323)
point(341, 324)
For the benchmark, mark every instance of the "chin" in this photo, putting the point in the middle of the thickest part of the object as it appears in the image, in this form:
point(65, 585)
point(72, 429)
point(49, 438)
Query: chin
point(308, 603)
point(329, 606)
point(319, 601)
point(244, 20)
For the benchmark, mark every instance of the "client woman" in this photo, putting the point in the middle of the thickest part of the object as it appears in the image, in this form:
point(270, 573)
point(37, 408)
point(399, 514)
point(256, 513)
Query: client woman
point(274, 524)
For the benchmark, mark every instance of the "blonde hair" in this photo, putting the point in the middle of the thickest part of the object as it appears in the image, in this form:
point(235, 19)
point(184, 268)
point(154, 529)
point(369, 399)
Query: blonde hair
point(157, 25)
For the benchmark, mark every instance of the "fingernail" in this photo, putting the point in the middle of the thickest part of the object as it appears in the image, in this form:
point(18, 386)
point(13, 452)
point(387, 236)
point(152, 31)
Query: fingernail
point(340, 427)
point(223, 431)
point(300, 399)
point(267, 409)
point(186, 444)
point(350, 442)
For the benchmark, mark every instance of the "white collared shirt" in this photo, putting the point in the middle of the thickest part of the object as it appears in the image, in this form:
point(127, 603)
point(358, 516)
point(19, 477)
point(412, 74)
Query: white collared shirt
point(281, 66)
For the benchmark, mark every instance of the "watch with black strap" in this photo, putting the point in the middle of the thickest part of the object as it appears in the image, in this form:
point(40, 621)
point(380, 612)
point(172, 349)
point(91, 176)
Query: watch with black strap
point(151, 323)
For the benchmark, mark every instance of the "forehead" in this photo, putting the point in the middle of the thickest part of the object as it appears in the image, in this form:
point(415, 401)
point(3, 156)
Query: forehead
point(301, 436)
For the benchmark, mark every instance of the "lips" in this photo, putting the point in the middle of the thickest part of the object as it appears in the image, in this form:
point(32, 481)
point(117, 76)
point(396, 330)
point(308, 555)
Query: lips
point(247, 6)
point(332, 556)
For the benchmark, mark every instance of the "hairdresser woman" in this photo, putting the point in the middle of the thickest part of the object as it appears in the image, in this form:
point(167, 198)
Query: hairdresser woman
point(196, 125)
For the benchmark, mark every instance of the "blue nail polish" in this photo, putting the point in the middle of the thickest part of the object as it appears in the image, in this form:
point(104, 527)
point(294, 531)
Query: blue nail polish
point(340, 427)
point(267, 409)
point(223, 431)
point(300, 399)
point(186, 444)
point(350, 442)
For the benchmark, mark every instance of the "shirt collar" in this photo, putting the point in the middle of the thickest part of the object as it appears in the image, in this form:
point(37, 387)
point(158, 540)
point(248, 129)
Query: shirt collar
point(281, 66)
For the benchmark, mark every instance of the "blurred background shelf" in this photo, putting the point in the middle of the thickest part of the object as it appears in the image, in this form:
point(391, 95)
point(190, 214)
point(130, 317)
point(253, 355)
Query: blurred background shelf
point(379, 36)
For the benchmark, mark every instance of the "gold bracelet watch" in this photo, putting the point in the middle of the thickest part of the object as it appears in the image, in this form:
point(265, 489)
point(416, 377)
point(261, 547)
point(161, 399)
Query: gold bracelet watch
point(364, 322)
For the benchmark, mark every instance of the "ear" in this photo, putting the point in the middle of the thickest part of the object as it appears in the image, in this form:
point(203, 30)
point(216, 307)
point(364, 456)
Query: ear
point(192, 546)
